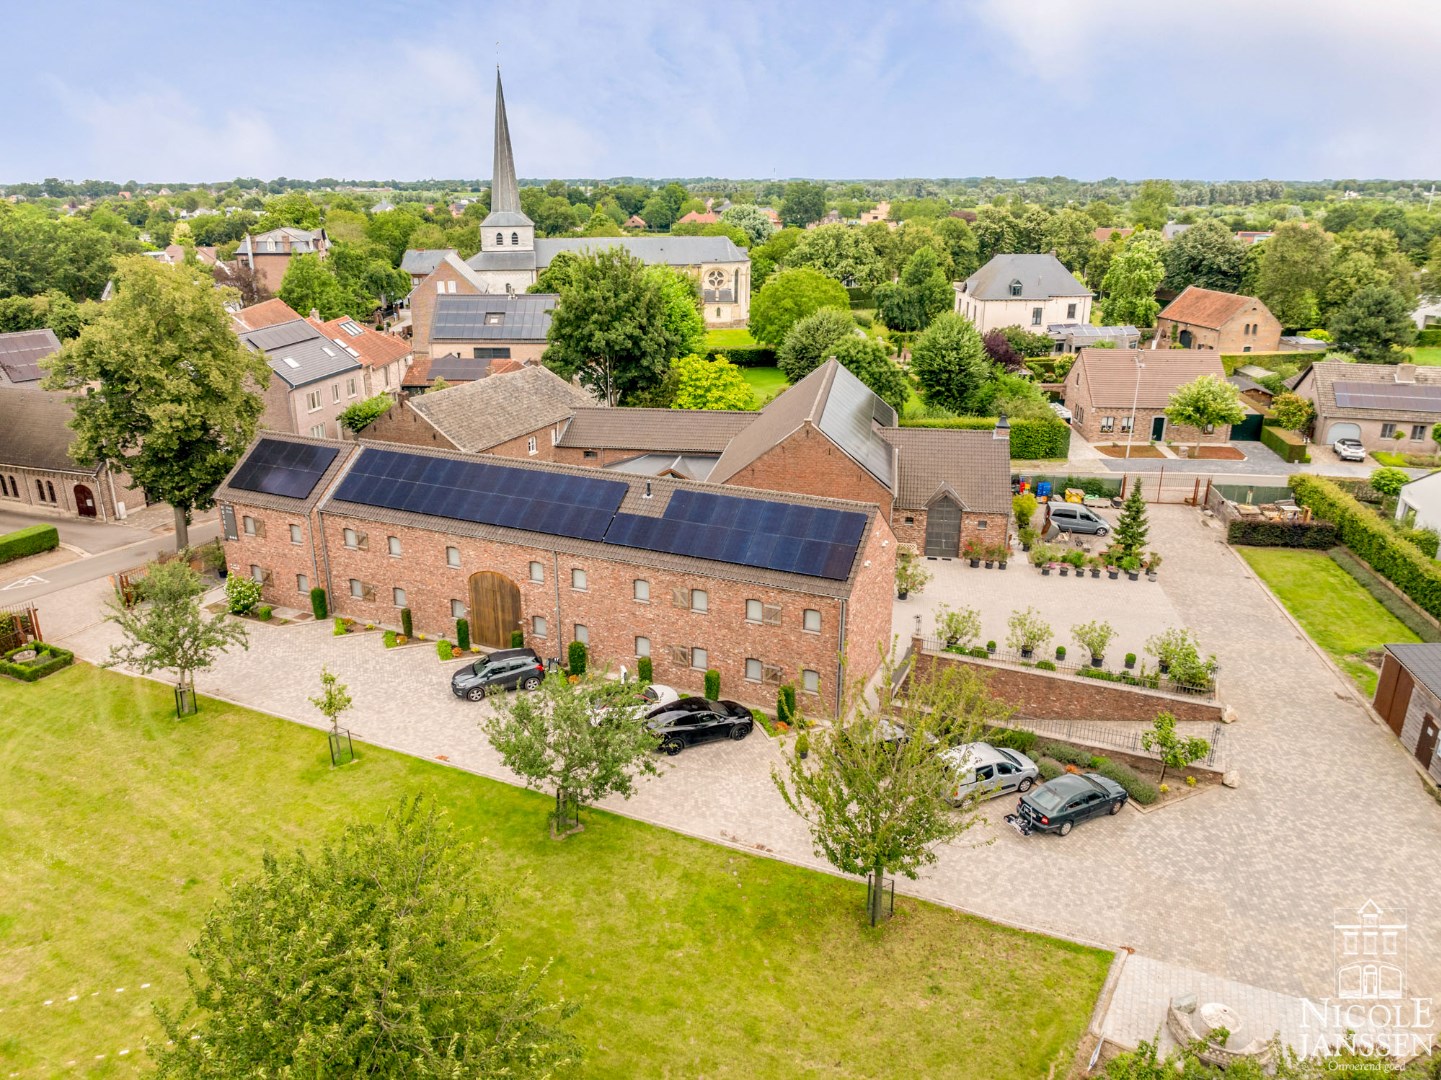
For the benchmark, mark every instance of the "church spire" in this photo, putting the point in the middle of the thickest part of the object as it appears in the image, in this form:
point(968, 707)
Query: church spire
point(504, 195)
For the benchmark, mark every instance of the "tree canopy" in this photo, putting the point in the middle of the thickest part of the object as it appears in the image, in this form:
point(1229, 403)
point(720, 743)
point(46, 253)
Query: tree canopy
point(811, 340)
point(787, 298)
point(309, 285)
point(683, 320)
point(870, 361)
point(1291, 271)
point(1151, 206)
point(839, 252)
point(755, 221)
point(949, 361)
point(1206, 401)
point(1374, 324)
point(705, 383)
point(922, 292)
point(1131, 282)
point(1207, 255)
point(804, 202)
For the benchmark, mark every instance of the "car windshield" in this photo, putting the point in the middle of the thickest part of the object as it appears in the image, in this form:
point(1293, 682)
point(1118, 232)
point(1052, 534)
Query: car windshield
point(1012, 758)
point(1047, 798)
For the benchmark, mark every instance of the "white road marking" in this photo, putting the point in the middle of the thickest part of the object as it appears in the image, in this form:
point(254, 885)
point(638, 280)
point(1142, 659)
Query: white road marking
point(33, 579)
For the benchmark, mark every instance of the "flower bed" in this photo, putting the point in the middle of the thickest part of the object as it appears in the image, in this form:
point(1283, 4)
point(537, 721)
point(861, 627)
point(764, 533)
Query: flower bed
point(46, 660)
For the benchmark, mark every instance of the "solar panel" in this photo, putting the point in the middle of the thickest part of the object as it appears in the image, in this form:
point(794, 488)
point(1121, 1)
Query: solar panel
point(487, 494)
point(1406, 396)
point(281, 468)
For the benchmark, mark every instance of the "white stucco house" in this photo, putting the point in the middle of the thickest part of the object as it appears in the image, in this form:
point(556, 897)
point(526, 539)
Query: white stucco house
point(1029, 291)
point(1423, 498)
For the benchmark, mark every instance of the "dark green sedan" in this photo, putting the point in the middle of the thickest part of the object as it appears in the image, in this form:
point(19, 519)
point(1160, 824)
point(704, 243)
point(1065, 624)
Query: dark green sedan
point(1058, 805)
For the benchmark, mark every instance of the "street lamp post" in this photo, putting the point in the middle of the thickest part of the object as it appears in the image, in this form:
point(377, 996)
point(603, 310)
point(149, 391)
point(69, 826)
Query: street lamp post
point(1135, 400)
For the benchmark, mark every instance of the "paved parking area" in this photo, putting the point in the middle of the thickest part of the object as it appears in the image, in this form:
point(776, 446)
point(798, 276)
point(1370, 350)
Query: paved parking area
point(1242, 884)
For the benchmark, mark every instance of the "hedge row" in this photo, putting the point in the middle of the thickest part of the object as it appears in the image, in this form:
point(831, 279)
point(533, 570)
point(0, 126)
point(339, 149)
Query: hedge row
point(1137, 788)
point(1031, 440)
point(1289, 534)
point(1373, 541)
point(1429, 339)
point(1386, 596)
point(1270, 360)
point(30, 540)
point(1288, 444)
point(747, 356)
point(38, 669)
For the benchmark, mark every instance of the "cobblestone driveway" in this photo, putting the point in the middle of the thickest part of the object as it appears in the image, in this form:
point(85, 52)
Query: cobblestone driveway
point(1241, 884)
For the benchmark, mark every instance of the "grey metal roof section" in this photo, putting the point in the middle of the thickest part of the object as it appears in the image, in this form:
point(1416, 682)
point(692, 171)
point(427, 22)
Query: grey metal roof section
point(849, 416)
point(492, 317)
point(690, 466)
point(1423, 661)
point(22, 351)
point(423, 261)
point(653, 250)
point(1411, 397)
point(1081, 334)
point(501, 260)
point(455, 369)
point(301, 240)
point(1041, 277)
point(35, 433)
point(504, 194)
point(299, 353)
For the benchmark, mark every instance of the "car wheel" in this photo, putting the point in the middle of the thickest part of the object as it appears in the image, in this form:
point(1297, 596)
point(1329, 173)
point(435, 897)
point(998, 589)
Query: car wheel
point(530, 683)
point(671, 747)
point(740, 731)
point(475, 693)
point(1065, 828)
point(1025, 785)
point(1116, 807)
point(1102, 531)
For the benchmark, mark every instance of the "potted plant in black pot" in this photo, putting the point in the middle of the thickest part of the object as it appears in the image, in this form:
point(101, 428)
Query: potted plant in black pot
point(972, 553)
point(1130, 660)
point(1028, 537)
point(1028, 632)
point(991, 648)
point(1060, 654)
point(1169, 644)
point(1094, 637)
point(1132, 565)
point(1153, 563)
point(1077, 558)
point(1003, 554)
point(911, 576)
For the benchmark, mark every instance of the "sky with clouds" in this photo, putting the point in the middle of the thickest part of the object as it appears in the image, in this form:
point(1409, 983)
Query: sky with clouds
point(179, 90)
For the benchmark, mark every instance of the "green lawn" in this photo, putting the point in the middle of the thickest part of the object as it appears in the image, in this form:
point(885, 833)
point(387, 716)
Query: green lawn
point(767, 382)
point(1428, 355)
point(1337, 613)
point(739, 338)
point(118, 824)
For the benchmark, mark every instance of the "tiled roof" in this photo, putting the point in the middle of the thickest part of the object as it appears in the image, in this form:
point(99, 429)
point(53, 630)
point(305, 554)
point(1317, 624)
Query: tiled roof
point(676, 431)
point(1423, 661)
point(301, 240)
point(974, 464)
point(1108, 376)
point(1041, 277)
point(375, 349)
point(1324, 376)
point(299, 353)
point(226, 493)
point(481, 414)
point(22, 351)
point(423, 261)
point(266, 313)
point(492, 317)
point(1207, 307)
point(836, 403)
point(35, 433)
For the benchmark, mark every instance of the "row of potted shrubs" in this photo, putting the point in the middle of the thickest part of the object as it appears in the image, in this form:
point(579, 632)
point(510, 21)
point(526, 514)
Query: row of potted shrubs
point(1113, 561)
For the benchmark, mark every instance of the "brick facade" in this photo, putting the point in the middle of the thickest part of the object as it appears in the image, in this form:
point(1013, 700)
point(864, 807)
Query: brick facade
point(910, 528)
point(63, 494)
point(444, 279)
point(807, 462)
point(1089, 423)
point(1251, 329)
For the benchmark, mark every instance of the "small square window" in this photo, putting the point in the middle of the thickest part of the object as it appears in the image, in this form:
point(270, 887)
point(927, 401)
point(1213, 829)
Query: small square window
point(699, 600)
point(577, 580)
point(457, 609)
point(538, 626)
point(754, 610)
point(981, 523)
point(256, 573)
point(642, 646)
point(248, 523)
point(356, 588)
point(351, 539)
point(302, 583)
point(582, 634)
point(811, 681)
point(753, 671)
point(398, 595)
point(640, 590)
point(452, 555)
point(699, 659)
point(537, 571)
point(910, 521)
point(530, 447)
point(393, 545)
point(1388, 430)
point(589, 455)
point(811, 621)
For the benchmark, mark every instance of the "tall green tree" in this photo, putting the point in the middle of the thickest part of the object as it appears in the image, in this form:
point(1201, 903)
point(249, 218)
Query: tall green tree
point(1131, 283)
point(1132, 528)
point(811, 340)
point(804, 202)
point(310, 285)
point(922, 292)
point(788, 297)
point(1375, 325)
point(949, 361)
point(755, 221)
point(1151, 206)
point(379, 955)
point(1292, 412)
point(1072, 235)
point(704, 383)
point(1291, 272)
point(869, 361)
point(683, 320)
point(1206, 401)
point(610, 327)
point(601, 224)
point(1207, 255)
point(367, 277)
point(557, 274)
point(166, 392)
point(839, 252)
point(334, 698)
point(997, 232)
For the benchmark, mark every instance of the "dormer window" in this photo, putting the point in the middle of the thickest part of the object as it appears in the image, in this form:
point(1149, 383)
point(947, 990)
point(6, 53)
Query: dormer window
point(1015, 288)
point(514, 239)
point(500, 239)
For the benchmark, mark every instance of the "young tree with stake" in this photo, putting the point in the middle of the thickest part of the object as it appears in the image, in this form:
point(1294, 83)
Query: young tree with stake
point(334, 698)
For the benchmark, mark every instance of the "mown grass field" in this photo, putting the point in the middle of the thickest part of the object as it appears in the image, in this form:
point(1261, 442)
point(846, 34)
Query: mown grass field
point(735, 338)
point(118, 825)
point(767, 382)
point(1428, 355)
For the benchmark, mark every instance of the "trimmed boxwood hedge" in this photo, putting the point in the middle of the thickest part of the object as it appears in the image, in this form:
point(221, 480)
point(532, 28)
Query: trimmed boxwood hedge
point(1288, 444)
point(1031, 440)
point(31, 540)
point(750, 356)
point(1429, 338)
point(59, 658)
point(1372, 540)
point(1288, 534)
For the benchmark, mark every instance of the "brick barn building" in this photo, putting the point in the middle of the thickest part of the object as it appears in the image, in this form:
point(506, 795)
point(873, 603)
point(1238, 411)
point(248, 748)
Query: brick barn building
point(763, 586)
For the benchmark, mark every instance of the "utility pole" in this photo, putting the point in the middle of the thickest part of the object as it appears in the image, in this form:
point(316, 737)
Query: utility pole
point(1135, 400)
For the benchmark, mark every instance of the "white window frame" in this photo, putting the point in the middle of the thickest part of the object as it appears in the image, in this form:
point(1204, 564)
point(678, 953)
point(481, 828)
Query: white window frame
point(458, 609)
point(539, 627)
point(642, 647)
point(398, 597)
point(810, 681)
point(578, 579)
point(755, 611)
point(807, 620)
point(701, 655)
point(452, 556)
point(313, 401)
point(530, 447)
point(357, 588)
point(755, 670)
point(702, 608)
point(537, 572)
point(302, 583)
point(581, 633)
point(247, 525)
point(640, 590)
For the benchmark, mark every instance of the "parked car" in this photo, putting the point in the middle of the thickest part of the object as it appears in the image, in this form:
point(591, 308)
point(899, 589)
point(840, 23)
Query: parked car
point(1349, 449)
point(506, 669)
point(659, 694)
point(982, 769)
point(1061, 411)
point(1059, 804)
point(1076, 518)
point(691, 720)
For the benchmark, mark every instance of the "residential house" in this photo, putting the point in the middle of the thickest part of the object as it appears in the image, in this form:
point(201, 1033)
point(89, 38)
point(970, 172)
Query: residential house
point(881, 212)
point(1251, 390)
point(1106, 388)
point(1227, 322)
point(21, 353)
point(696, 217)
point(1072, 337)
point(1420, 502)
point(268, 254)
point(271, 312)
point(1385, 406)
point(37, 471)
point(485, 326)
point(420, 263)
point(1249, 236)
point(1172, 229)
point(1408, 699)
point(1105, 233)
point(385, 358)
point(830, 217)
point(635, 221)
point(314, 378)
point(1030, 291)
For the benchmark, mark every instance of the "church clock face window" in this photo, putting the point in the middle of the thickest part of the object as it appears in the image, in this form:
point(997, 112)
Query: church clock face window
point(715, 279)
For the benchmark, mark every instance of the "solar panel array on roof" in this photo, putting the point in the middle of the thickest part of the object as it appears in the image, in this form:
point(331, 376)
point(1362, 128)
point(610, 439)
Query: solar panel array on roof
point(281, 335)
point(22, 351)
point(814, 541)
point(1406, 396)
point(463, 317)
point(558, 504)
point(283, 468)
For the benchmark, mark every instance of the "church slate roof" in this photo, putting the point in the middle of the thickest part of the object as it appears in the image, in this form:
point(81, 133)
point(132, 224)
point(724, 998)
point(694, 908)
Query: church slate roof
point(421, 262)
point(502, 260)
point(36, 432)
point(653, 250)
point(504, 194)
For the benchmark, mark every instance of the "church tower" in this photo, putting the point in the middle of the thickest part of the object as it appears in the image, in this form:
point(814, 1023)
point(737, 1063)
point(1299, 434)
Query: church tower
point(506, 228)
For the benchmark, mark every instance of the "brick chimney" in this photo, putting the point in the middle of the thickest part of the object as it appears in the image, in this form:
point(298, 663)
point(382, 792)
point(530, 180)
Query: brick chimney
point(1405, 373)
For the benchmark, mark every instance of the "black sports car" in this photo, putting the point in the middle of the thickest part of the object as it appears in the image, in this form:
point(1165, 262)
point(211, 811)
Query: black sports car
point(1057, 805)
point(695, 719)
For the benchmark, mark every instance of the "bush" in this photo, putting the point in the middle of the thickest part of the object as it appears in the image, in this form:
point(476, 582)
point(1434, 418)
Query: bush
point(31, 540)
point(1060, 652)
point(406, 625)
point(462, 636)
point(1045, 665)
point(1288, 444)
point(444, 649)
point(577, 656)
point(39, 667)
point(1011, 739)
point(241, 594)
point(1130, 659)
point(645, 670)
point(389, 639)
point(1068, 755)
point(318, 606)
point(712, 684)
point(517, 639)
point(786, 704)
point(263, 612)
point(1289, 534)
point(1049, 768)
point(1373, 541)
point(338, 629)
point(1031, 439)
point(1429, 338)
point(754, 356)
point(1137, 788)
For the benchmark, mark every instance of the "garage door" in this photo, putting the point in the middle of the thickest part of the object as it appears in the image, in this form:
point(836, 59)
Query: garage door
point(1343, 431)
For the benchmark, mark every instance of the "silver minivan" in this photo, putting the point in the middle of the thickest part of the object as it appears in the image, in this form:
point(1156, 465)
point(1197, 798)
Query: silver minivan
point(1073, 517)
point(984, 770)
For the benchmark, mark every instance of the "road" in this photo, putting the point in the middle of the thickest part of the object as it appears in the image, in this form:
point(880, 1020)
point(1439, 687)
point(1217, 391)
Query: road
point(89, 537)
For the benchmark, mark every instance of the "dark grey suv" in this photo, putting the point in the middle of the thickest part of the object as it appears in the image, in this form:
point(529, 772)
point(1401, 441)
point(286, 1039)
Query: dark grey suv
point(1073, 517)
point(507, 669)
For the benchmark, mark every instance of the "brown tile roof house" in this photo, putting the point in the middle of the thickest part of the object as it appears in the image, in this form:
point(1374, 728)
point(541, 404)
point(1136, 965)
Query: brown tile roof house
point(1104, 385)
point(21, 353)
point(271, 312)
point(1205, 307)
point(482, 414)
point(678, 431)
point(373, 349)
point(1373, 402)
point(1228, 322)
point(973, 467)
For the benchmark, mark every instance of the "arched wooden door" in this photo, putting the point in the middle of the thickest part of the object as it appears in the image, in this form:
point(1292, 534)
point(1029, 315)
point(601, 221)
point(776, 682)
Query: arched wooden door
point(494, 609)
point(84, 501)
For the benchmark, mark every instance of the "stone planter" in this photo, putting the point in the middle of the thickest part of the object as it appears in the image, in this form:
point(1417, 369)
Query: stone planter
point(1080, 574)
